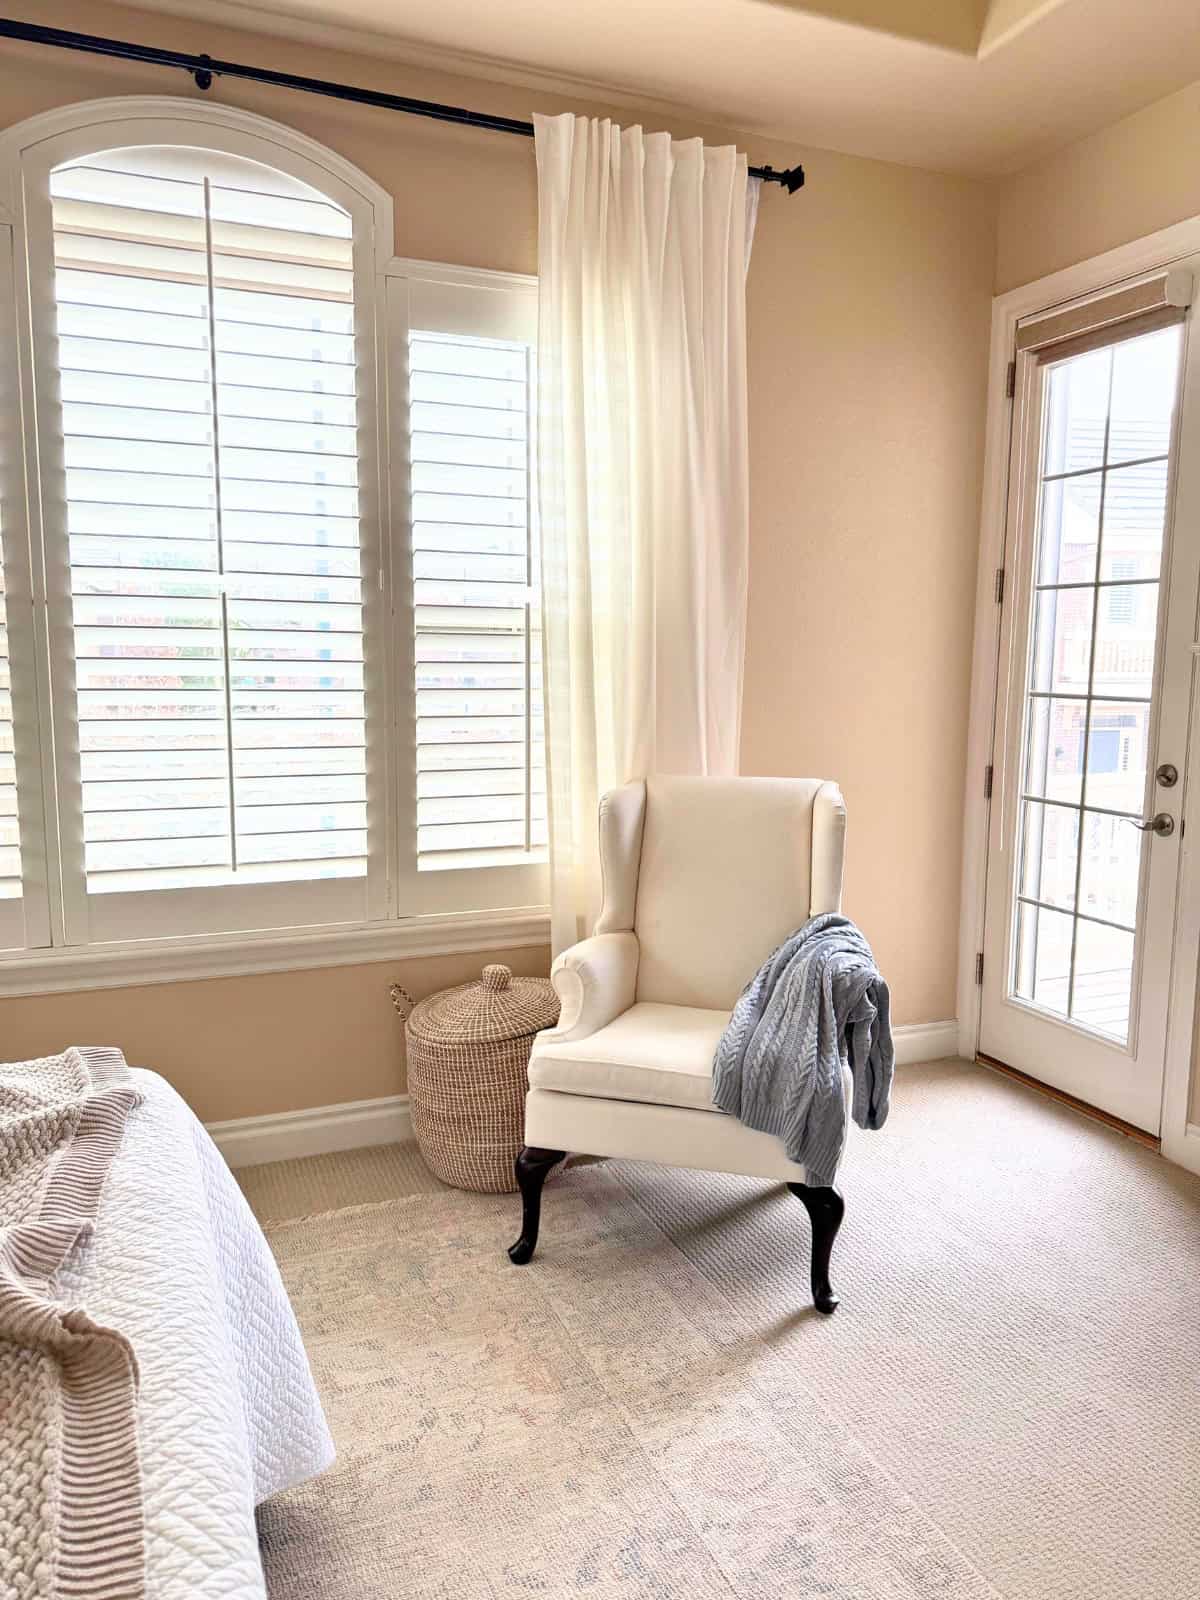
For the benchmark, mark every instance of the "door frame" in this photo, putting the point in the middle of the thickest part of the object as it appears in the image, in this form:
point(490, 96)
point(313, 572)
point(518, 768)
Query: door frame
point(1180, 1139)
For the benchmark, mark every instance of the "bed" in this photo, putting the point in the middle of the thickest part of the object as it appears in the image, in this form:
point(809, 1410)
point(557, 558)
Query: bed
point(228, 1413)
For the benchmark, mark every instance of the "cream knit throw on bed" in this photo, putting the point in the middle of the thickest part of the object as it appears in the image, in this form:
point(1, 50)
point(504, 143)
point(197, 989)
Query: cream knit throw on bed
point(70, 1485)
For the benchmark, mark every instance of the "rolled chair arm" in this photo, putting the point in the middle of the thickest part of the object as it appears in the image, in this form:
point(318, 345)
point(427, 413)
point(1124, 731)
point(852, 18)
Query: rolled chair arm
point(595, 980)
point(828, 849)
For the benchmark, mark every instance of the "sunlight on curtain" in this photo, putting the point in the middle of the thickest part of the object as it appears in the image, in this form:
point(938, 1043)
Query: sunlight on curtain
point(643, 248)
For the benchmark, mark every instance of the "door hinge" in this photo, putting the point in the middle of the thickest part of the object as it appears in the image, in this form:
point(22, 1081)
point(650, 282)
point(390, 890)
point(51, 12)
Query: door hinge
point(999, 586)
point(1010, 381)
point(987, 781)
point(979, 967)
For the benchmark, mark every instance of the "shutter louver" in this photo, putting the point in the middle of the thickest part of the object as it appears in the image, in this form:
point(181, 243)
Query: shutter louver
point(208, 379)
point(480, 762)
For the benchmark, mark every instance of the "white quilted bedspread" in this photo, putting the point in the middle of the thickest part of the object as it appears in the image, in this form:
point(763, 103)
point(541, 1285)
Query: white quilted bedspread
point(228, 1412)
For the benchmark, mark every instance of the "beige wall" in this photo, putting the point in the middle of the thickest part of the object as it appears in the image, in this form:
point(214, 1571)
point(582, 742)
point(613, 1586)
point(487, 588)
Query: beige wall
point(868, 303)
point(868, 313)
point(1124, 182)
point(242, 1047)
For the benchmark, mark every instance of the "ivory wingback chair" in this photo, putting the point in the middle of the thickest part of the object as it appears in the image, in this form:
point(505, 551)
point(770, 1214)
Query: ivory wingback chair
point(703, 878)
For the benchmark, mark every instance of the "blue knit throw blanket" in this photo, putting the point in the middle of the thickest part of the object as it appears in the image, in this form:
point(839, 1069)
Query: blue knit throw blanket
point(818, 1002)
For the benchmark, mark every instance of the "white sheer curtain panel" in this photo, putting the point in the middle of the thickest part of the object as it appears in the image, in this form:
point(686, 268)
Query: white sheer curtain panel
point(643, 245)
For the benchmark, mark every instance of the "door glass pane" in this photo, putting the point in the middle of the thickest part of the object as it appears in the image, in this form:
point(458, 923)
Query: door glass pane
point(1049, 855)
point(1110, 870)
point(1054, 749)
point(1118, 742)
point(1143, 396)
point(1070, 529)
point(1062, 640)
point(1076, 412)
point(1135, 513)
point(1126, 631)
point(1044, 957)
point(1102, 979)
point(1089, 681)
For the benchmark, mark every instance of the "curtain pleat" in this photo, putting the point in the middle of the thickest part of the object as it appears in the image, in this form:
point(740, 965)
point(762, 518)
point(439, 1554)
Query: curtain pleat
point(643, 494)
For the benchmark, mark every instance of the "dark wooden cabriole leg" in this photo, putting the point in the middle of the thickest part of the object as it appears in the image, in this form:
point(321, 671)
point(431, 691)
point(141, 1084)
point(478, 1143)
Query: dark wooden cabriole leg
point(533, 1167)
point(826, 1209)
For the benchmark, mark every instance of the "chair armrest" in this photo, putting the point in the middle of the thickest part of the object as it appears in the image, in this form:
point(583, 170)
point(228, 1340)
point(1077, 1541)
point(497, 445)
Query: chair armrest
point(595, 981)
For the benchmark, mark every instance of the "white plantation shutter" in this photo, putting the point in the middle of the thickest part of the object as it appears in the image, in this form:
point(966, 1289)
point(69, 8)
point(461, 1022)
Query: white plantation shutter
point(10, 843)
point(246, 699)
point(206, 355)
point(11, 922)
point(481, 790)
point(24, 906)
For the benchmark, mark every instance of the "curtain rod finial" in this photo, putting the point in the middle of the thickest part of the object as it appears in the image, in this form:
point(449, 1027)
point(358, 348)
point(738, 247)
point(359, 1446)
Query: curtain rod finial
point(791, 180)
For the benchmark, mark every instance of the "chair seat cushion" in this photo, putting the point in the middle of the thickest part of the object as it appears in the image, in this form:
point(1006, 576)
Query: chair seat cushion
point(655, 1053)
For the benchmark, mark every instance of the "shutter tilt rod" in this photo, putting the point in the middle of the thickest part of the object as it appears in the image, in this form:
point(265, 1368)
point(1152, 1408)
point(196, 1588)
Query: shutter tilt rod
point(204, 69)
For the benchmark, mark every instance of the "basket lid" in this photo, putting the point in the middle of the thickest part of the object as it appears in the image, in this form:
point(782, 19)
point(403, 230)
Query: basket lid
point(495, 1006)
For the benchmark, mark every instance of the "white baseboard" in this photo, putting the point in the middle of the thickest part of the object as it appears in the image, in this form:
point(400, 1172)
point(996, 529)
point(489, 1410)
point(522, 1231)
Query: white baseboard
point(249, 1141)
point(925, 1041)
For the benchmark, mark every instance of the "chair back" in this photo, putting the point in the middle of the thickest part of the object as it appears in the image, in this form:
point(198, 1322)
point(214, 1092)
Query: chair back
point(728, 868)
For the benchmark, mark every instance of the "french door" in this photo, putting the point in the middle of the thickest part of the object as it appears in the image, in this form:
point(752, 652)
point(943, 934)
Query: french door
point(1097, 652)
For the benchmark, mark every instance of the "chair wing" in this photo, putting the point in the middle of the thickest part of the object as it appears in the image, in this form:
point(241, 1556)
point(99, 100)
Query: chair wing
point(622, 821)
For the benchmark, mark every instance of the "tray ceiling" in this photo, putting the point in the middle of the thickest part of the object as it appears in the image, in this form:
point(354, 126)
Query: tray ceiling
point(976, 86)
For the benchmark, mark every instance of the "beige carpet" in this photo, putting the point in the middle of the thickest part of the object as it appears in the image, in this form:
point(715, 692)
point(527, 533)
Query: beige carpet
point(1005, 1404)
point(281, 1190)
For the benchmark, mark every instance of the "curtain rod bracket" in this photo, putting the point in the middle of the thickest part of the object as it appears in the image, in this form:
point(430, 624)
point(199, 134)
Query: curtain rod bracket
point(203, 75)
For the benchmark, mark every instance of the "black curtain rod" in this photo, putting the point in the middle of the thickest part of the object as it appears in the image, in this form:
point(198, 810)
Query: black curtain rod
point(204, 69)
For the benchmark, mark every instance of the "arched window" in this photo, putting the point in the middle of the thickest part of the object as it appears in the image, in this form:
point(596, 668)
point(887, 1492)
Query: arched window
point(272, 602)
point(202, 308)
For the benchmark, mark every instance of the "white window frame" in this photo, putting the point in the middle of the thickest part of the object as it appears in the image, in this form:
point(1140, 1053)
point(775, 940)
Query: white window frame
point(24, 922)
point(163, 935)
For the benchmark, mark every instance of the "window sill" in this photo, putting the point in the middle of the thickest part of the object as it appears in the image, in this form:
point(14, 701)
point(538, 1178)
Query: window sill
point(129, 965)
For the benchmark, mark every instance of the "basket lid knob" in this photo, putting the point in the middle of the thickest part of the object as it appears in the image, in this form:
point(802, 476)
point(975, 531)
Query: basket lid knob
point(496, 976)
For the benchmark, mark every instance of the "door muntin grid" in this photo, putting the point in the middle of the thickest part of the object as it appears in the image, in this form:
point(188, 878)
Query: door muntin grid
point(1102, 498)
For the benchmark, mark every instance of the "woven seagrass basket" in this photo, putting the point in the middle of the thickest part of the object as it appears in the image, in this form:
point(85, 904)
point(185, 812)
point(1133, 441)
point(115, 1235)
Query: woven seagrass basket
point(468, 1054)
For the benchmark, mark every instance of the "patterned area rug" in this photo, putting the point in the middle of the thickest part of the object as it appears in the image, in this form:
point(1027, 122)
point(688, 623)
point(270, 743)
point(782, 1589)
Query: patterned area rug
point(1005, 1404)
point(604, 1423)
